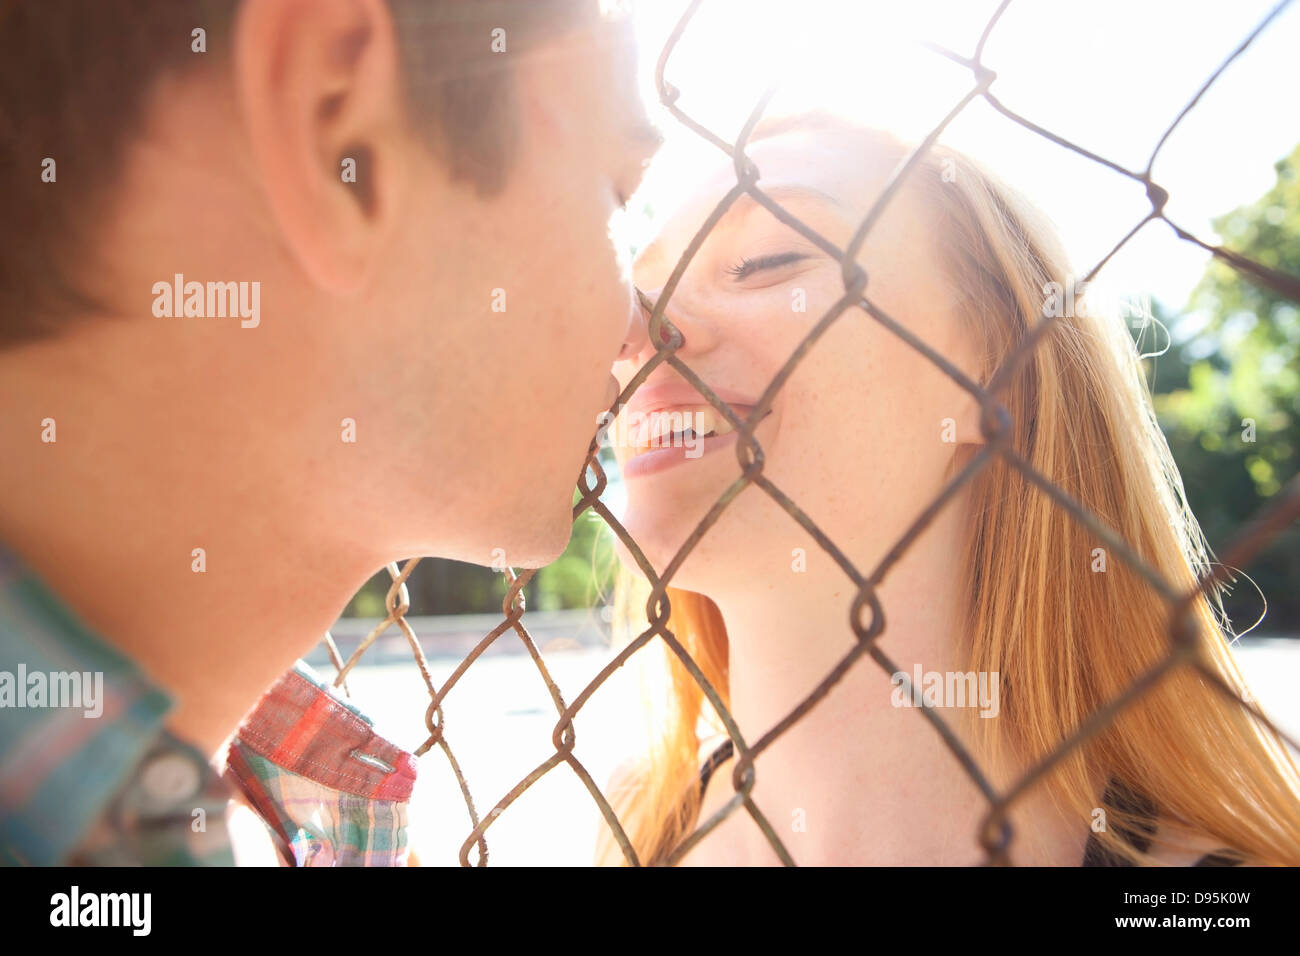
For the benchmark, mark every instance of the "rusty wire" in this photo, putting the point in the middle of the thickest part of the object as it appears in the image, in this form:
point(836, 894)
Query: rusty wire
point(995, 832)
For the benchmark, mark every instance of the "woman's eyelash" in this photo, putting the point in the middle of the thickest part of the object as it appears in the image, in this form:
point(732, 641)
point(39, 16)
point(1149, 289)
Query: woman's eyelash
point(747, 267)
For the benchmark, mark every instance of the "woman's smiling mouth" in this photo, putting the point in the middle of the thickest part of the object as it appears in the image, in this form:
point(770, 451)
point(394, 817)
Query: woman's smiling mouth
point(673, 435)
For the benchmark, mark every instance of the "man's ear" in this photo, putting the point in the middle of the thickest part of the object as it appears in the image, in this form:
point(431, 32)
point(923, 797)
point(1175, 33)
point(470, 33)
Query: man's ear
point(319, 89)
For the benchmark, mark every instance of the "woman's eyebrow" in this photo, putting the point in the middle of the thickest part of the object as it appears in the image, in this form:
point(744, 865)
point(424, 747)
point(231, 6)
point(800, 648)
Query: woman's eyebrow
point(781, 192)
point(746, 204)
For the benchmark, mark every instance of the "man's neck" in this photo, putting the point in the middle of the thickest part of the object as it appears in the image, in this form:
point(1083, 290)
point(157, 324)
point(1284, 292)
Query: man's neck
point(143, 517)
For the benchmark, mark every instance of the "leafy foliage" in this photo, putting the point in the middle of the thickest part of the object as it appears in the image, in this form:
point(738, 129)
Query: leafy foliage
point(1236, 364)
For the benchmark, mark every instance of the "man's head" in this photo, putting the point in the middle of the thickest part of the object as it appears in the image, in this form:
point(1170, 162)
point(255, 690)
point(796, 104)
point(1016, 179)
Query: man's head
point(420, 192)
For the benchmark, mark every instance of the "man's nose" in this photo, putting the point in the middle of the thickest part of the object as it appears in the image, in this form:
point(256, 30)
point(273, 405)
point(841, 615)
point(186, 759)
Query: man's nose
point(638, 328)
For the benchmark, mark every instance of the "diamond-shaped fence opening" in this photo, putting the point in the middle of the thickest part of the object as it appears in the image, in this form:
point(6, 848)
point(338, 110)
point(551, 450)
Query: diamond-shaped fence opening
point(1188, 624)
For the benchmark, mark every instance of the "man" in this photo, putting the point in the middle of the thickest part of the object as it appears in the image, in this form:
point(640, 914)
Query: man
point(290, 289)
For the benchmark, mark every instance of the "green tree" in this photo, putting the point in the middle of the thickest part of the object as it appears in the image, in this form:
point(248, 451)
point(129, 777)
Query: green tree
point(580, 577)
point(1228, 395)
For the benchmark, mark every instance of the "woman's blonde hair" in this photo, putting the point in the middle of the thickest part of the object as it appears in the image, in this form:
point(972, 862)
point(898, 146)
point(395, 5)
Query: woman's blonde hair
point(1064, 644)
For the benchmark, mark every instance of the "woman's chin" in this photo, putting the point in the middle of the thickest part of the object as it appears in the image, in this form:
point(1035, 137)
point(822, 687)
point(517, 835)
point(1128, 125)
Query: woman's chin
point(660, 542)
point(658, 537)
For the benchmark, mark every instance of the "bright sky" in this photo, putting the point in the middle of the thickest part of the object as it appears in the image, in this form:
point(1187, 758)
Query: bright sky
point(1110, 75)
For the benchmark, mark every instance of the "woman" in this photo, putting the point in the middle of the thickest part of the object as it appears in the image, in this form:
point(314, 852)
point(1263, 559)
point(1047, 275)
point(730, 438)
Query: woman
point(1003, 585)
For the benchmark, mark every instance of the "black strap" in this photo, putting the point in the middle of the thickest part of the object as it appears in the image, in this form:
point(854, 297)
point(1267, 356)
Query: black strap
point(1121, 797)
point(719, 756)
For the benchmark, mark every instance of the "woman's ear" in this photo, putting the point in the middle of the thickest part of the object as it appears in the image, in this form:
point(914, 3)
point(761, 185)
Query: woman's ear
point(960, 430)
point(964, 428)
point(319, 89)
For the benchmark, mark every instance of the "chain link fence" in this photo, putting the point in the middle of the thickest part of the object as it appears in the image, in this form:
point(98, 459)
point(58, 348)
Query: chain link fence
point(995, 832)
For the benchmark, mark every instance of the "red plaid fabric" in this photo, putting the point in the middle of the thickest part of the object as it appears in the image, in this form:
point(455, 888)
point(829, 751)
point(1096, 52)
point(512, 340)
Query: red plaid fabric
point(333, 792)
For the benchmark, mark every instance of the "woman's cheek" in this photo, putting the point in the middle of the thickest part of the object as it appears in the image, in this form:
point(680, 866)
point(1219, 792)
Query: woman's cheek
point(777, 319)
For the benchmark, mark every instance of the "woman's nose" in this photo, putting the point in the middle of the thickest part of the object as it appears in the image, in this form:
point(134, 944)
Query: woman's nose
point(638, 337)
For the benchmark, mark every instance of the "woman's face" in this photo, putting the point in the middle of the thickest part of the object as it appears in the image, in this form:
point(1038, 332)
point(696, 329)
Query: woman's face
point(855, 437)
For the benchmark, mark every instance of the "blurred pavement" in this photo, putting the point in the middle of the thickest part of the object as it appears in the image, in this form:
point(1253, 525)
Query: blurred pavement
point(500, 719)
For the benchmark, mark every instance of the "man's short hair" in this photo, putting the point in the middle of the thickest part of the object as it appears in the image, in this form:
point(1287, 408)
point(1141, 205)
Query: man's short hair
point(75, 74)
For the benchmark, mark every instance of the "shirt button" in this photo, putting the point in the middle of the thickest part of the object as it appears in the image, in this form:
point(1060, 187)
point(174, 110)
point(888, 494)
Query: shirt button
point(170, 778)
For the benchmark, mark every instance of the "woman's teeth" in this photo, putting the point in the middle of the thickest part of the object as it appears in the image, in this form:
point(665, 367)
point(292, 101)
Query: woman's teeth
point(710, 421)
point(673, 426)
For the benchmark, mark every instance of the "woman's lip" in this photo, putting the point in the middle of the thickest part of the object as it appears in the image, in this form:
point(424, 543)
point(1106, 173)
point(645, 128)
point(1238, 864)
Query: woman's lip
point(649, 398)
point(651, 462)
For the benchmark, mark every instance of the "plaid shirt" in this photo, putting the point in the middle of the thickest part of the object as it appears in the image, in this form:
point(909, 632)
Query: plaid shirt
point(89, 775)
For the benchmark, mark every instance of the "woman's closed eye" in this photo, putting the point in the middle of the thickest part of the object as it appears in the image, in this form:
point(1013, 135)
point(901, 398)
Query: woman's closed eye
point(747, 267)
